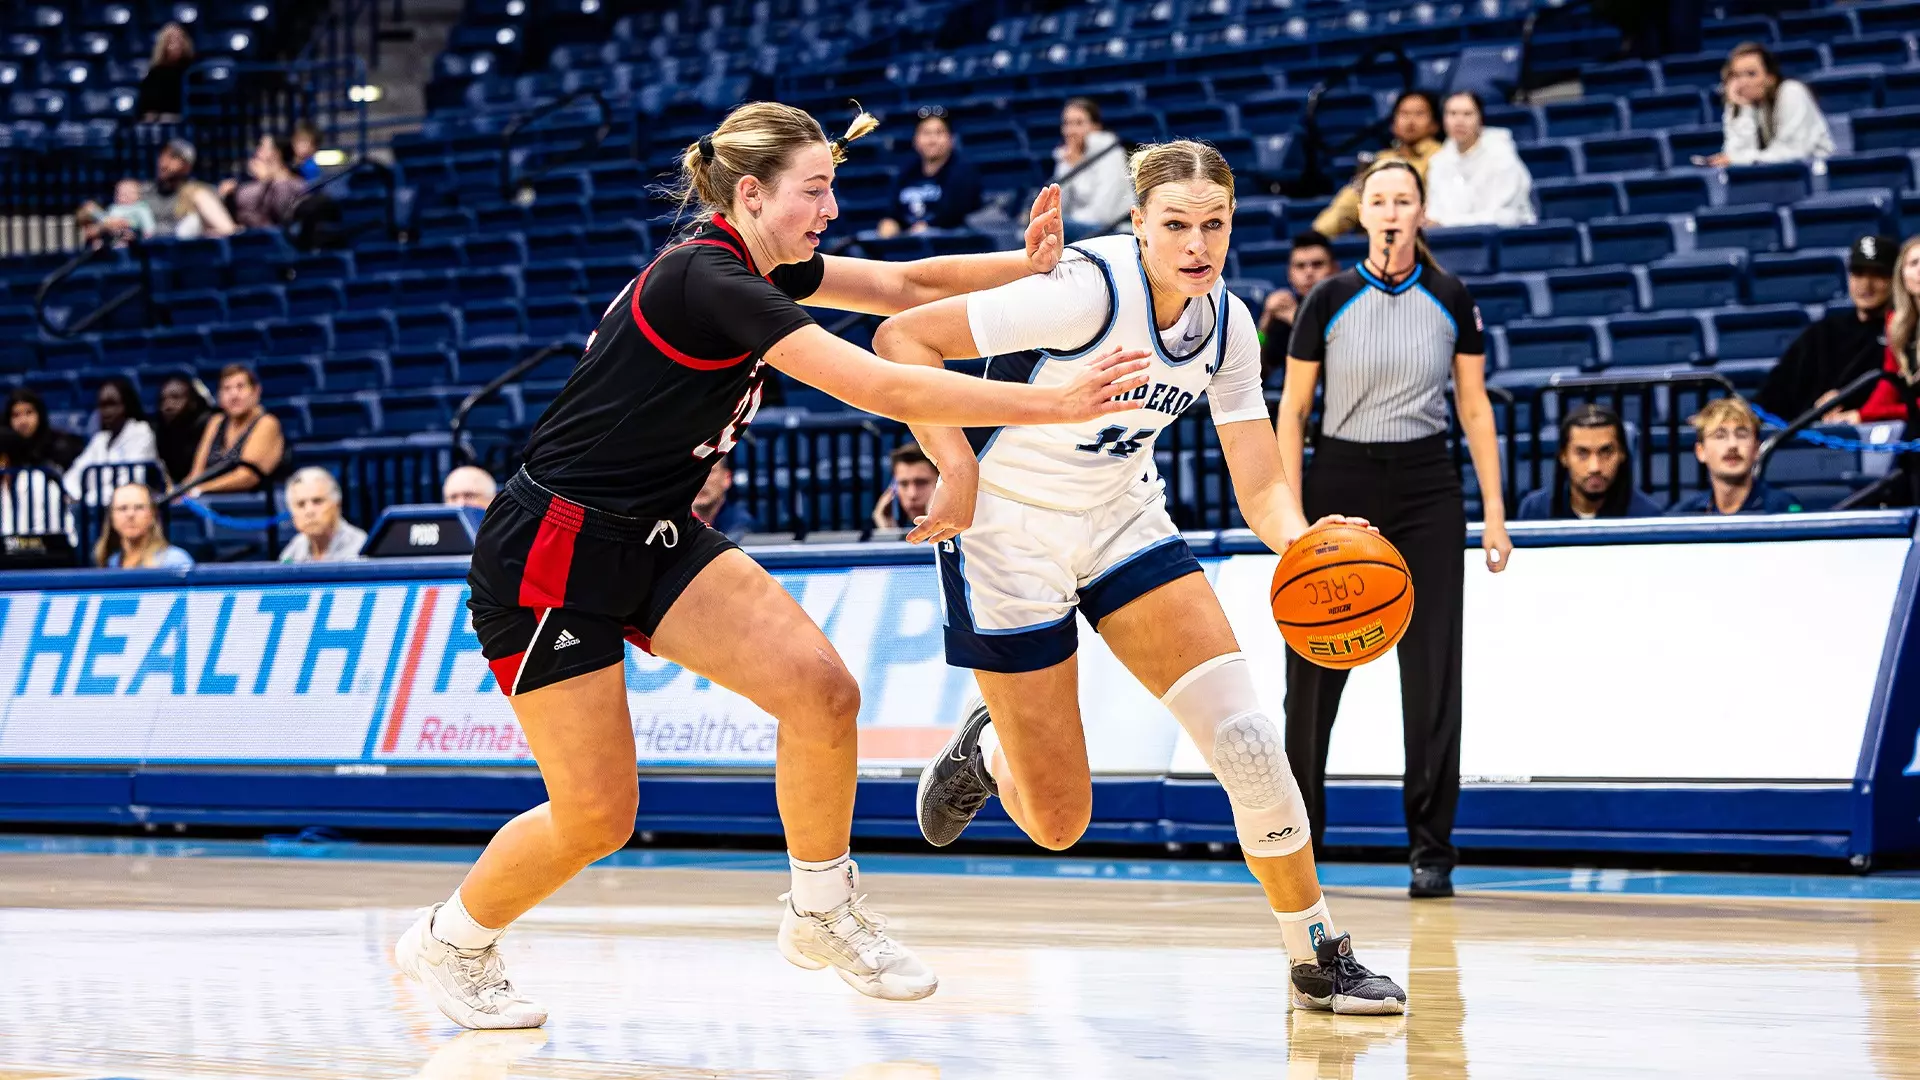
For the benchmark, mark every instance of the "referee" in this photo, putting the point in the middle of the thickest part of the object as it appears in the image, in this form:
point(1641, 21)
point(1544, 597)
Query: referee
point(1387, 335)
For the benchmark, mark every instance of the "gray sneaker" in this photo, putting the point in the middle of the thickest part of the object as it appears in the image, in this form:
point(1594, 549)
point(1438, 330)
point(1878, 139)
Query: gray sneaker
point(956, 784)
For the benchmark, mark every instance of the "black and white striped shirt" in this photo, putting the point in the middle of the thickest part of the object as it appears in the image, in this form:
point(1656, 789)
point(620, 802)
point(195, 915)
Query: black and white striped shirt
point(1386, 353)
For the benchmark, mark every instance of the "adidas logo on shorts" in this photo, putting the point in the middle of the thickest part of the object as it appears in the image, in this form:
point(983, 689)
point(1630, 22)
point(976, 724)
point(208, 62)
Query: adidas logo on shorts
point(565, 639)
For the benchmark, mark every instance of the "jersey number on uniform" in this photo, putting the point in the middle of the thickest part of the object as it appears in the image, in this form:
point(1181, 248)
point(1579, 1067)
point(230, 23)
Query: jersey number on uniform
point(742, 416)
point(1115, 442)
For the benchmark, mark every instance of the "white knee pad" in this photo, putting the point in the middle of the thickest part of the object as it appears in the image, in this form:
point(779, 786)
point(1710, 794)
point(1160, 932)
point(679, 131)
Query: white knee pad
point(1217, 705)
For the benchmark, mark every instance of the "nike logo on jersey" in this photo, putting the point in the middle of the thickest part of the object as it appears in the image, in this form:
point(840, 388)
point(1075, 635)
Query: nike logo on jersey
point(565, 640)
point(1161, 397)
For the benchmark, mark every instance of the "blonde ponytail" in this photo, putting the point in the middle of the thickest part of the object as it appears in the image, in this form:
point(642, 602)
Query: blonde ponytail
point(757, 139)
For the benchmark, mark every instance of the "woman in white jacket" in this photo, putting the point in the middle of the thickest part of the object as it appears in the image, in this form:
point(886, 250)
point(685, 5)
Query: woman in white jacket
point(1477, 178)
point(1102, 193)
point(124, 437)
point(1768, 118)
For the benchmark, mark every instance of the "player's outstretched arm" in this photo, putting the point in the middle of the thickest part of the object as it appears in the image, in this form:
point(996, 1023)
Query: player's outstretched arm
point(887, 288)
point(899, 340)
point(1267, 500)
point(918, 395)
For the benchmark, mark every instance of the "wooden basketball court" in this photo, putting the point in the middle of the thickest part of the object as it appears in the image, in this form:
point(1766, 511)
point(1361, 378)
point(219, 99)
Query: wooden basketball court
point(145, 965)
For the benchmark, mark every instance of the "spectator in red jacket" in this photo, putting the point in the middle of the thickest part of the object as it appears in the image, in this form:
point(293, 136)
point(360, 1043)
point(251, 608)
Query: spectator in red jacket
point(1894, 397)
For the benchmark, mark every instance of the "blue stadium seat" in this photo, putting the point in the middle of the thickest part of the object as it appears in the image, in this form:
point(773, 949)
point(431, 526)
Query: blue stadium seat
point(354, 372)
point(1774, 182)
point(286, 377)
point(1798, 279)
point(1847, 90)
point(236, 343)
point(1757, 333)
point(436, 254)
point(605, 278)
point(302, 338)
point(1606, 290)
point(1686, 144)
point(488, 319)
point(428, 289)
point(1272, 114)
point(1837, 220)
point(1550, 160)
point(381, 257)
point(1893, 17)
point(548, 244)
point(1656, 339)
point(1723, 34)
point(430, 327)
point(551, 279)
point(418, 410)
point(1623, 153)
point(175, 348)
point(1630, 240)
point(1256, 221)
point(551, 318)
point(1579, 200)
point(340, 417)
point(1583, 116)
point(1618, 79)
point(1552, 343)
point(1465, 251)
point(315, 298)
point(259, 302)
point(1745, 228)
point(371, 293)
point(1887, 129)
point(620, 240)
point(1266, 259)
point(499, 250)
point(480, 364)
point(363, 331)
point(1716, 279)
point(1656, 110)
point(1900, 89)
point(1891, 50)
point(416, 366)
point(1669, 193)
point(59, 389)
point(1891, 169)
point(1546, 246)
point(320, 266)
point(1910, 214)
point(69, 354)
point(195, 308)
point(1818, 25)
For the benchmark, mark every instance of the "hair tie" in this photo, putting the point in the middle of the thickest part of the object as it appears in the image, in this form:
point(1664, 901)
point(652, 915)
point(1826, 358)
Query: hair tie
point(706, 148)
point(839, 146)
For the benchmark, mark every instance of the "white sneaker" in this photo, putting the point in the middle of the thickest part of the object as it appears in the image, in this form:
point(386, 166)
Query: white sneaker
point(854, 942)
point(469, 985)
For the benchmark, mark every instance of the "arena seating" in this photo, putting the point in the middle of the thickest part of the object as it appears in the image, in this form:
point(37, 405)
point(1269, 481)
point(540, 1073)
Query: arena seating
point(530, 194)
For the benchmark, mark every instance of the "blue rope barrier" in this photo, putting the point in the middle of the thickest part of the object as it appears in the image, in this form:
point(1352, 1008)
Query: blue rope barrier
point(1836, 442)
point(214, 517)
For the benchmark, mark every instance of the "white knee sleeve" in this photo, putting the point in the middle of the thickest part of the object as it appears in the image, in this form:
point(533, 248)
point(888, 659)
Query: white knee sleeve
point(1217, 705)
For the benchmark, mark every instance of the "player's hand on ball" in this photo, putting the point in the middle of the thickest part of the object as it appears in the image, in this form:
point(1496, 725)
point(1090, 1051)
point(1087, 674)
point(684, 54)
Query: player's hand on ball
point(950, 513)
point(1294, 530)
point(1095, 390)
point(1498, 545)
point(1046, 236)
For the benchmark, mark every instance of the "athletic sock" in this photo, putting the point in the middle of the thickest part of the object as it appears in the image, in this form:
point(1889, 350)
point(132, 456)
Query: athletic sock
point(821, 886)
point(454, 926)
point(1303, 931)
point(989, 742)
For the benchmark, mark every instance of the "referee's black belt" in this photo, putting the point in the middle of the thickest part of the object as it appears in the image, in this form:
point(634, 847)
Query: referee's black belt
point(1333, 449)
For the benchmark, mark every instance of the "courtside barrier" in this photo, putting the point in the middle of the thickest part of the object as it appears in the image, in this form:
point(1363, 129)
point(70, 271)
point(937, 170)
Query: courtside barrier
point(1747, 686)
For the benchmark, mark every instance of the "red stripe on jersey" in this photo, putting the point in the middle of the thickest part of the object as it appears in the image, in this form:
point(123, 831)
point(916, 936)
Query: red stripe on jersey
point(727, 227)
point(543, 584)
point(506, 671)
point(653, 336)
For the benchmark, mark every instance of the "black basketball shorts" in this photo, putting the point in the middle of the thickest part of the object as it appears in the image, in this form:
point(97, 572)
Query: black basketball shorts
point(559, 588)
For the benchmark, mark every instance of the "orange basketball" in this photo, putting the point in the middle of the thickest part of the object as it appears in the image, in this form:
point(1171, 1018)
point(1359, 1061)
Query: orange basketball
point(1341, 595)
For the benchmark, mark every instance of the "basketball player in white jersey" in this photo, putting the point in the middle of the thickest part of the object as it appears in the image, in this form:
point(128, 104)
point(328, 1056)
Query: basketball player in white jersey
point(1067, 516)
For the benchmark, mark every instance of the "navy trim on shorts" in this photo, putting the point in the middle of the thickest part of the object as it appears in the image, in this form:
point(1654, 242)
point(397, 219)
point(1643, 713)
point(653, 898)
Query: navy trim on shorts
point(1025, 648)
point(1135, 576)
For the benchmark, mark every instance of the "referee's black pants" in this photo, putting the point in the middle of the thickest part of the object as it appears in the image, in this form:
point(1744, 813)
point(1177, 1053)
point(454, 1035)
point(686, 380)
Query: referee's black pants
point(1411, 492)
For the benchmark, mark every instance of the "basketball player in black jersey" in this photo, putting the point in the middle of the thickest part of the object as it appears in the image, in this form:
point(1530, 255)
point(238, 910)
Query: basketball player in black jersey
point(593, 543)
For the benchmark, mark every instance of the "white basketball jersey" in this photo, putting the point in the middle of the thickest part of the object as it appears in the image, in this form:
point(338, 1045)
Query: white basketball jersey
point(1081, 466)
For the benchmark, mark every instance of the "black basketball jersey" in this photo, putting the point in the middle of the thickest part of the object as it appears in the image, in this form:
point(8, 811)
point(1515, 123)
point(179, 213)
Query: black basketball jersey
point(670, 377)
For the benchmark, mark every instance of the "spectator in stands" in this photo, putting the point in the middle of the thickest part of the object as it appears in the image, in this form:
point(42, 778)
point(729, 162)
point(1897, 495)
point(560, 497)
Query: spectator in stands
point(266, 200)
point(183, 418)
point(31, 500)
point(1416, 138)
point(305, 142)
point(44, 444)
point(129, 217)
point(1477, 177)
point(939, 190)
point(182, 206)
point(313, 498)
point(1100, 196)
point(712, 506)
point(1768, 117)
point(134, 538)
point(124, 437)
point(1839, 348)
point(469, 485)
point(1728, 447)
point(160, 90)
point(906, 499)
point(1593, 475)
point(1894, 397)
point(1310, 263)
point(245, 432)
